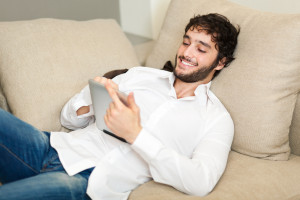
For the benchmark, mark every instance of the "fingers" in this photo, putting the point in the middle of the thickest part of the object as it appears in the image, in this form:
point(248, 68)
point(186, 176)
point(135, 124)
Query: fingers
point(114, 85)
point(110, 112)
point(106, 121)
point(131, 102)
point(113, 94)
point(104, 80)
point(107, 116)
point(101, 80)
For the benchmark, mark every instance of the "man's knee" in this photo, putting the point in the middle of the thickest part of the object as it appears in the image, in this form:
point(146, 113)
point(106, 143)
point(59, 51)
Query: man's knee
point(72, 186)
point(50, 185)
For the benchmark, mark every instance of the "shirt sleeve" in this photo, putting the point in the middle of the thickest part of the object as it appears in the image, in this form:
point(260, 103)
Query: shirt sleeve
point(69, 118)
point(197, 175)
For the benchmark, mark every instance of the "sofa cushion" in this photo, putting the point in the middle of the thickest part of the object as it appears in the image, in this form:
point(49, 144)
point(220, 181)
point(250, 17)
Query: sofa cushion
point(259, 88)
point(3, 103)
point(143, 50)
point(45, 62)
point(245, 178)
point(295, 129)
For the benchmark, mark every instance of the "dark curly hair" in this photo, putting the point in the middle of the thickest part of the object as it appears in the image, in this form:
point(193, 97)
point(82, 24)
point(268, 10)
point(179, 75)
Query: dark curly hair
point(222, 32)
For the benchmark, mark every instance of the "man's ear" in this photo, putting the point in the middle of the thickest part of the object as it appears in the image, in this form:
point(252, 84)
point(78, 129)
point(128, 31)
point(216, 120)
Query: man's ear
point(221, 64)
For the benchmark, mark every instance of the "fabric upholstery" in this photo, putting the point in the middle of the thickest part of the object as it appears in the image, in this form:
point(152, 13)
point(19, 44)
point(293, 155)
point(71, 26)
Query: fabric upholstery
point(143, 50)
point(245, 178)
point(295, 129)
point(44, 62)
point(3, 103)
point(260, 87)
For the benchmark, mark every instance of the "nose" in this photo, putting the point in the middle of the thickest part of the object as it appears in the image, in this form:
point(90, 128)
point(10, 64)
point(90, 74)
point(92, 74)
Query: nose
point(188, 52)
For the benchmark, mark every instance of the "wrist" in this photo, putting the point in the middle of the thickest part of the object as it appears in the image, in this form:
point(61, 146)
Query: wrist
point(133, 135)
point(83, 110)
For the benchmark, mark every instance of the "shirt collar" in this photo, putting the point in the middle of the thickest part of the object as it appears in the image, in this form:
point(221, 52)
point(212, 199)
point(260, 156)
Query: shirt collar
point(203, 88)
point(168, 75)
point(202, 92)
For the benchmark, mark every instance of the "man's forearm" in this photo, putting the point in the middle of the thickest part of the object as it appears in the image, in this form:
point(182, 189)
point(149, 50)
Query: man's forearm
point(83, 110)
point(73, 108)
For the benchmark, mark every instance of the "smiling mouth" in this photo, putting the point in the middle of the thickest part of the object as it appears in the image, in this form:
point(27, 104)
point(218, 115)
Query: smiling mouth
point(187, 63)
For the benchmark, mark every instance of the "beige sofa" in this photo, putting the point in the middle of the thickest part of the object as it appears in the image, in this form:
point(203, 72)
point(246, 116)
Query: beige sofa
point(46, 61)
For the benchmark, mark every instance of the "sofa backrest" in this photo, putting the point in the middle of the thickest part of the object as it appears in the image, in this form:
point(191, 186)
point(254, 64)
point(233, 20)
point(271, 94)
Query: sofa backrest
point(260, 87)
point(295, 129)
point(44, 62)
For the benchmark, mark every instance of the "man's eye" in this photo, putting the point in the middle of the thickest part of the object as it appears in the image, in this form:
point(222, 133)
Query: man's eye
point(202, 51)
point(185, 44)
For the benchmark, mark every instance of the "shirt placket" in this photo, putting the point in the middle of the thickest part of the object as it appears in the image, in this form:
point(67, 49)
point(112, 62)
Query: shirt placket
point(160, 112)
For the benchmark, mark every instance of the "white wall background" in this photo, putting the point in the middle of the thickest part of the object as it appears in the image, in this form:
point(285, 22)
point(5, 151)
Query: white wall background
point(139, 17)
point(145, 17)
point(135, 16)
point(13, 10)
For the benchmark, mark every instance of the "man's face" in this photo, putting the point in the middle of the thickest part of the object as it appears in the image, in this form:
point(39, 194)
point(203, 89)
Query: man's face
point(196, 57)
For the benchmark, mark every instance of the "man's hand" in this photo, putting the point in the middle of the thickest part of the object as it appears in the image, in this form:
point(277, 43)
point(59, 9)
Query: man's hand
point(123, 120)
point(85, 109)
point(104, 81)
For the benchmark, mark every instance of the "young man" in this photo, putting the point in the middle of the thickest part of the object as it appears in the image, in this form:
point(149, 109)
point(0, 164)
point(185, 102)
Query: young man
point(178, 132)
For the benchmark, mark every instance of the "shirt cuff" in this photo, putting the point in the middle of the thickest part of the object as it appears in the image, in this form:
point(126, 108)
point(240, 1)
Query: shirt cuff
point(147, 145)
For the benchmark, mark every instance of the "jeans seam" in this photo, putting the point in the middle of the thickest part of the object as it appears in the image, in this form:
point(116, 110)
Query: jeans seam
point(49, 162)
point(50, 169)
point(15, 156)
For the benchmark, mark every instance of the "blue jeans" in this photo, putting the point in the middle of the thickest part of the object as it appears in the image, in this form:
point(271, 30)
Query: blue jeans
point(30, 168)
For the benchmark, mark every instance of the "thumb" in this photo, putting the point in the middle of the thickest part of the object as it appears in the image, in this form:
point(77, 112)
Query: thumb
point(131, 102)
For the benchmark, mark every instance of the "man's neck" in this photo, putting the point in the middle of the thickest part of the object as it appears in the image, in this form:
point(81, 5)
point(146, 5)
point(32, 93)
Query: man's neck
point(184, 89)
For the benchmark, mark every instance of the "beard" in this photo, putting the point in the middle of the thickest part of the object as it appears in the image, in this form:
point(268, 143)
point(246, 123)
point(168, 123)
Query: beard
point(198, 75)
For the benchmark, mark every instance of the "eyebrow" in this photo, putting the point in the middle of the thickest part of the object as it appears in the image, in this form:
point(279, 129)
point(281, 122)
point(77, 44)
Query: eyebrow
point(199, 41)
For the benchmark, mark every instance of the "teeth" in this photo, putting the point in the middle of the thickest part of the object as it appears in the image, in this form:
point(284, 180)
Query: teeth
point(188, 64)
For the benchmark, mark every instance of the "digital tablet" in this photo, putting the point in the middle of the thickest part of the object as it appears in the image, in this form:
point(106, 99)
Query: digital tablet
point(101, 100)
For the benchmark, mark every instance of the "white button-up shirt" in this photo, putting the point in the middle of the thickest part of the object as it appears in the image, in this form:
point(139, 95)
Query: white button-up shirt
point(184, 142)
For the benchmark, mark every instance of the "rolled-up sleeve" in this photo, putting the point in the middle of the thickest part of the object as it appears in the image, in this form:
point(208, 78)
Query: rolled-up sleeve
point(69, 118)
